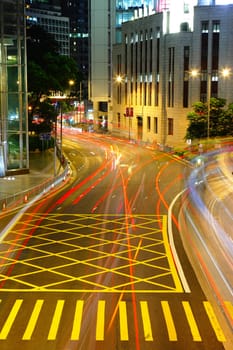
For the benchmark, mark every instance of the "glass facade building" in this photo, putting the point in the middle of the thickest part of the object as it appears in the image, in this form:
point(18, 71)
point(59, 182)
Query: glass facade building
point(13, 87)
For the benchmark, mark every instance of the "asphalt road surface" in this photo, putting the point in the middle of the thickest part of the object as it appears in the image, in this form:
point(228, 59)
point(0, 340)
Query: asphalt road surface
point(94, 265)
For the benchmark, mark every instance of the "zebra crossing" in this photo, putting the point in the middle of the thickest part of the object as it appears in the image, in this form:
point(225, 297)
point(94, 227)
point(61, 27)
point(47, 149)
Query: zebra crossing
point(9, 319)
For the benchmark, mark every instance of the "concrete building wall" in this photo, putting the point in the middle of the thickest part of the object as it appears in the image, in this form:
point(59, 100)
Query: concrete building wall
point(100, 54)
point(170, 75)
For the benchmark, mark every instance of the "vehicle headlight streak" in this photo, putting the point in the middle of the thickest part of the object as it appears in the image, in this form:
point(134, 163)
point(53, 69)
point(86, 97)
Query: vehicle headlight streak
point(216, 259)
point(223, 237)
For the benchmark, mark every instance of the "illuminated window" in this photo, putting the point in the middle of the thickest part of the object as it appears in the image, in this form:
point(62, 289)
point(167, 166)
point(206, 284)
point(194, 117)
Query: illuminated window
point(186, 7)
point(205, 27)
point(216, 26)
point(131, 39)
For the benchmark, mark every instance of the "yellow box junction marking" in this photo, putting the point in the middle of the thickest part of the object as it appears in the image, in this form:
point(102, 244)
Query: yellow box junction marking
point(169, 256)
point(103, 231)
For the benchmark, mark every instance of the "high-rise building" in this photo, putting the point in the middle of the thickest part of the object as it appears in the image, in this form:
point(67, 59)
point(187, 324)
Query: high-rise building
point(47, 14)
point(47, 4)
point(152, 43)
point(105, 21)
point(77, 12)
point(13, 87)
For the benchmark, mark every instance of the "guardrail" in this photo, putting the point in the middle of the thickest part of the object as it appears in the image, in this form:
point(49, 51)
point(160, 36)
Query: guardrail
point(12, 201)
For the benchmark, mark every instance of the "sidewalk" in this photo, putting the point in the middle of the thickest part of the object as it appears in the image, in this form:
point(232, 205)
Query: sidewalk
point(21, 188)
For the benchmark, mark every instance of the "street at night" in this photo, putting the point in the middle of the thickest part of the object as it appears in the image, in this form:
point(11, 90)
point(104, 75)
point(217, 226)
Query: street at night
point(116, 175)
point(95, 266)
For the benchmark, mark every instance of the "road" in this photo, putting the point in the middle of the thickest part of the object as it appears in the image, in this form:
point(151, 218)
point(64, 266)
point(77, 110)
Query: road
point(94, 266)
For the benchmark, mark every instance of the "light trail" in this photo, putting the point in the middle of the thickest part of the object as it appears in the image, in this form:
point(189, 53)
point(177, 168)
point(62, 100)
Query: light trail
point(171, 218)
point(199, 255)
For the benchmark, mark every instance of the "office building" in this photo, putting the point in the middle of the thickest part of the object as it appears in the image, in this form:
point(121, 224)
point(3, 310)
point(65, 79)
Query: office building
point(154, 52)
point(13, 87)
point(48, 15)
point(105, 21)
point(77, 12)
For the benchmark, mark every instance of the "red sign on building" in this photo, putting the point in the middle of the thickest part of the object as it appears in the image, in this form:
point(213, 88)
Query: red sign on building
point(129, 112)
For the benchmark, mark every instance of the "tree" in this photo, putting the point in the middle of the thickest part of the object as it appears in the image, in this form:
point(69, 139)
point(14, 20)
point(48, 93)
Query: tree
point(220, 119)
point(47, 71)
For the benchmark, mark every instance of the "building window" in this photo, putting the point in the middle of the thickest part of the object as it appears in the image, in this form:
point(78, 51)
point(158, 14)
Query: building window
point(186, 76)
point(216, 27)
point(186, 7)
point(141, 36)
point(150, 94)
point(151, 33)
point(148, 124)
point(156, 125)
point(170, 126)
point(205, 27)
point(118, 120)
point(132, 38)
point(171, 69)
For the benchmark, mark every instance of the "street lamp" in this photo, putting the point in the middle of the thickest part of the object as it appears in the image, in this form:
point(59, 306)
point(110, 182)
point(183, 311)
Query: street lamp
point(71, 82)
point(129, 109)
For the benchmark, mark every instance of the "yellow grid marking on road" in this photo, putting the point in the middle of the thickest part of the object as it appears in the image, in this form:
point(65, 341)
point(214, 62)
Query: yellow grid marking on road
point(56, 320)
point(214, 321)
point(83, 251)
point(169, 321)
point(33, 320)
point(169, 256)
point(146, 321)
point(191, 321)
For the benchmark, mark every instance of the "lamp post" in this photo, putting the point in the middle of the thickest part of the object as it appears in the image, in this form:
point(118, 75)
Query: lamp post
point(129, 109)
point(55, 147)
point(209, 78)
point(71, 83)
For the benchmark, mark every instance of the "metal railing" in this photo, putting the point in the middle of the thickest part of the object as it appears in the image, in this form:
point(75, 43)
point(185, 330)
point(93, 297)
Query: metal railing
point(18, 199)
